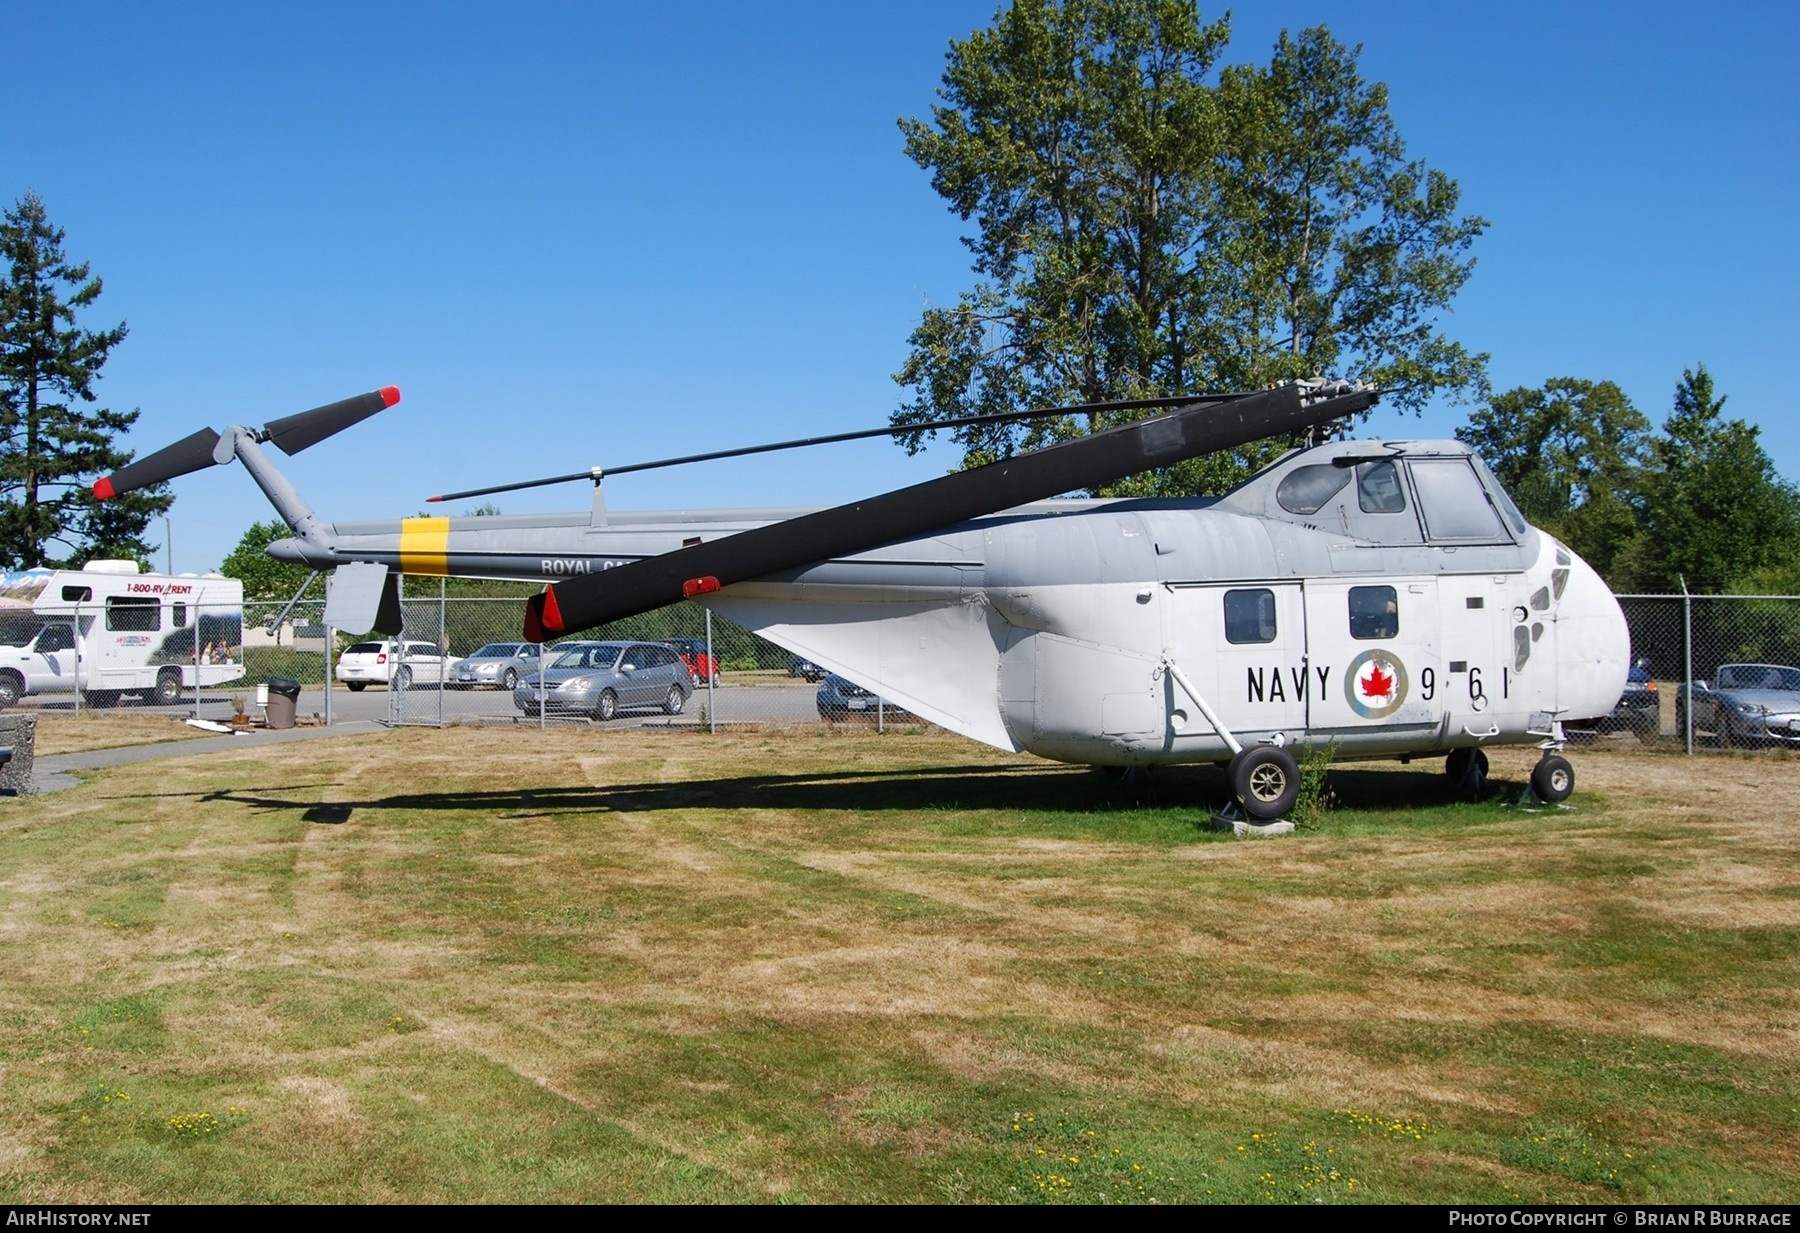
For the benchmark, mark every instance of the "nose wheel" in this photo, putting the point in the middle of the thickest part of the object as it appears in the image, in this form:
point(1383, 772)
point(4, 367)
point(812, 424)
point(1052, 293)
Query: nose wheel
point(1553, 779)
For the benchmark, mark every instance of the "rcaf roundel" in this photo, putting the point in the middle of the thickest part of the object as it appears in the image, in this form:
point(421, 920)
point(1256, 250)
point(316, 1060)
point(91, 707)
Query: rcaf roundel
point(1375, 685)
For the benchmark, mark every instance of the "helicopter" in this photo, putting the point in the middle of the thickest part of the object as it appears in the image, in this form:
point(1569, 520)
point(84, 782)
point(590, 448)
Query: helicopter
point(1385, 598)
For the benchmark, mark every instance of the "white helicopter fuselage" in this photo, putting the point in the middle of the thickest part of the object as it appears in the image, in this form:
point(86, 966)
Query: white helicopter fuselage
point(1384, 598)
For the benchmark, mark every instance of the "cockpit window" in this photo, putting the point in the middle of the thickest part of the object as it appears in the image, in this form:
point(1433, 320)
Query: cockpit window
point(1378, 488)
point(1455, 505)
point(1305, 490)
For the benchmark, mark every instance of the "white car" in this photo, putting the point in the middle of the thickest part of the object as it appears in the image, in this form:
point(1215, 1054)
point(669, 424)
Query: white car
point(377, 663)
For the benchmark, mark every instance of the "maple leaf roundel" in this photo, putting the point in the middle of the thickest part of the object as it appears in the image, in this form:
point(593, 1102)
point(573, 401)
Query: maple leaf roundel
point(1375, 684)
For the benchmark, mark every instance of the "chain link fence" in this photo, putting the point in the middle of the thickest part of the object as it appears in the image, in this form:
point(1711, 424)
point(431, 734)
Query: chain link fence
point(731, 676)
point(1726, 645)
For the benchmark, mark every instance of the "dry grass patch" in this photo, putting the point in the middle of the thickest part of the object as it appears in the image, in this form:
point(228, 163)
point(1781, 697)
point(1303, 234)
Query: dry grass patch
point(460, 965)
point(68, 733)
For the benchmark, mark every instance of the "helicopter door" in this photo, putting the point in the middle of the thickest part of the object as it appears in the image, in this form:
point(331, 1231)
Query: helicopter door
point(1244, 648)
point(1371, 649)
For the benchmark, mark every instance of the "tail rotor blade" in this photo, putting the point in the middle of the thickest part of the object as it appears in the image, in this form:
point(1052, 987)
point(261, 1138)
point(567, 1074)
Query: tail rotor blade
point(186, 455)
point(293, 433)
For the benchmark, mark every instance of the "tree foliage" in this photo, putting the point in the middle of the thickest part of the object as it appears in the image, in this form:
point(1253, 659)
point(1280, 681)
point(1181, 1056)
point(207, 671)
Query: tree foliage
point(1698, 502)
point(1144, 226)
point(1715, 512)
point(1572, 456)
point(53, 444)
point(264, 577)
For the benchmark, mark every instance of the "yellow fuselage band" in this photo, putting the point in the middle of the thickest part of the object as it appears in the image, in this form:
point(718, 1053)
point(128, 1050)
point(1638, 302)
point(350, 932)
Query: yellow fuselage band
point(423, 543)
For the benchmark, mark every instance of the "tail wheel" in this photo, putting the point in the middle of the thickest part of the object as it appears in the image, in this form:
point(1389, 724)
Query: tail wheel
point(607, 706)
point(1266, 779)
point(1553, 779)
point(676, 701)
point(168, 689)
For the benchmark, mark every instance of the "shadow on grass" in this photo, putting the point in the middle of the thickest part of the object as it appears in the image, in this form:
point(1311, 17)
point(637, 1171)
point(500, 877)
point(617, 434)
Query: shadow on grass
point(1050, 789)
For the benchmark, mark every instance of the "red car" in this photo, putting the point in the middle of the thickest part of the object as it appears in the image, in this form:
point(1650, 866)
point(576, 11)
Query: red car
point(701, 666)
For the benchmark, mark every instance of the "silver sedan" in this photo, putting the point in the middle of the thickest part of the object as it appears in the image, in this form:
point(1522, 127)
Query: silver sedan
point(600, 679)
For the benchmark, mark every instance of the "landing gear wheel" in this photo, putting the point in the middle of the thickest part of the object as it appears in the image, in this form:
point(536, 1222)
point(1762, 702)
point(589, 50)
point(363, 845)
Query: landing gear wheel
point(1468, 771)
point(676, 700)
point(509, 680)
point(168, 690)
point(1553, 779)
point(1266, 779)
point(607, 706)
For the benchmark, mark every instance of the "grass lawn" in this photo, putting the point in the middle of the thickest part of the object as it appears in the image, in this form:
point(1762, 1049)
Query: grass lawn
point(810, 966)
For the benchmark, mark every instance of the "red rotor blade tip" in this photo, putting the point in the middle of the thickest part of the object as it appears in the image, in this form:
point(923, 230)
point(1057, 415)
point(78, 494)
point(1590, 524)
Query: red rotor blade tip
point(543, 620)
point(103, 488)
point(390, 394)
point(699, 586)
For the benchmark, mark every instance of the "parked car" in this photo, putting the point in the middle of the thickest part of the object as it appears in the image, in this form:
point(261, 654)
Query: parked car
point(842, 699)
point(380, 663)
point(600, 679)
point(1638, 709)
point(1750, 704)
point(805, 669)
point(702, 668)
point(498, 665)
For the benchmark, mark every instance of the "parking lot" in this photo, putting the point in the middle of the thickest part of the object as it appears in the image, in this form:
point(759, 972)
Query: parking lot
point(753, 698)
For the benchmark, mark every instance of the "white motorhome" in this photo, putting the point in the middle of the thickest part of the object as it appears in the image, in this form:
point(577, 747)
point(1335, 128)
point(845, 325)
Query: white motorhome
point(108, 629)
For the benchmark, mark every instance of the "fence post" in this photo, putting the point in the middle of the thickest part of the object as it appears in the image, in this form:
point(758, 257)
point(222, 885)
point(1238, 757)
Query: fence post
point(1687, 647)
point(712, 663)
point(199, 614)
point(330, 646)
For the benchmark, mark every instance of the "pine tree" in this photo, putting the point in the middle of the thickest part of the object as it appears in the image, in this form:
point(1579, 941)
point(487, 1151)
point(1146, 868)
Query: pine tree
point(53, 443)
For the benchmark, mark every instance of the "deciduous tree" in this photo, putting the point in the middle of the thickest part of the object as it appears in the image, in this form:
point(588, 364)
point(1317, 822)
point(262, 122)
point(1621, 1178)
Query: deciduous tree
point(1144, 229)
point(1572, 455)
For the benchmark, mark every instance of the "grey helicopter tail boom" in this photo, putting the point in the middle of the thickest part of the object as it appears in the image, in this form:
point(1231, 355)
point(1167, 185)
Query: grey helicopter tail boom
point(1174, 436)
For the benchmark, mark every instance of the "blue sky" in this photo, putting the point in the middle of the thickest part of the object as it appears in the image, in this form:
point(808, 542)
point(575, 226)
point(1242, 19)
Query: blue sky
point(579, 234)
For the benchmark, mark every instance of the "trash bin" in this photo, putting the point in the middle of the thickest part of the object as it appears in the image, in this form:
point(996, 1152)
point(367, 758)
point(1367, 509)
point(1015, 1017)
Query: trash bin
point(284, 700)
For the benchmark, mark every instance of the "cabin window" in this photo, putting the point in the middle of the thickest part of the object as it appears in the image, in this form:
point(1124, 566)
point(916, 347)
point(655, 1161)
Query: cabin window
point(1306, 490)
point(1378, 488)
point(131, 614)
point(1454, 503)
point(1250, 616)
point(1374, 612)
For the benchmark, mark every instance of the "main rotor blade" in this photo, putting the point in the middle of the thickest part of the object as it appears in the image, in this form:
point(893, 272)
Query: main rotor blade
point(626, 590)
point(186, 455)
point(892, 430)
point(293, 433)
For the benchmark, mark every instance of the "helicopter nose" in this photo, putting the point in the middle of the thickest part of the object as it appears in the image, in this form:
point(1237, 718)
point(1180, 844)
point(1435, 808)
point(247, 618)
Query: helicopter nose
point(1593, 642)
